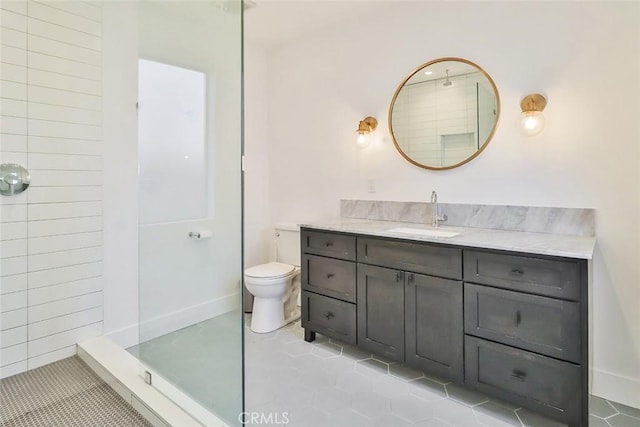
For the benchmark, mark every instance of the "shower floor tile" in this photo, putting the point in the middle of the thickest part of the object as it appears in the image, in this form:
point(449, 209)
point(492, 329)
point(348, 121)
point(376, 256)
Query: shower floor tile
point(64, 393)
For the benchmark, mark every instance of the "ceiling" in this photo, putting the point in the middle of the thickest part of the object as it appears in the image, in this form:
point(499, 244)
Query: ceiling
point(273, 22)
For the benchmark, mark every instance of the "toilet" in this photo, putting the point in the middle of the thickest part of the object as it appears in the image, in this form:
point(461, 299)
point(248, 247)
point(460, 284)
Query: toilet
point(275, 286)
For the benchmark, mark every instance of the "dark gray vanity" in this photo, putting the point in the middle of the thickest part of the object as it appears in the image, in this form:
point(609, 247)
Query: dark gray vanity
point(510, 324)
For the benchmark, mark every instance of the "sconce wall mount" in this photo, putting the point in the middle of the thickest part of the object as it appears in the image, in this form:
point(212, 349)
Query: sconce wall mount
point(365, 127)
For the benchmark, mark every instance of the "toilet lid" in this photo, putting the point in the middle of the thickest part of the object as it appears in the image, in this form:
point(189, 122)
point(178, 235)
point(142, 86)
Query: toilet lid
point(272, 269)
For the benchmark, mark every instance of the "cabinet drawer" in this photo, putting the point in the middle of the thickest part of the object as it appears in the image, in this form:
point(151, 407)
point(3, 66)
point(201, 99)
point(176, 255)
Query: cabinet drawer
point(555, 278)
point(329, 244)
point(544, 325)
point(538, 382)
point(328, 276)
point(416, 257)
point(330, 317)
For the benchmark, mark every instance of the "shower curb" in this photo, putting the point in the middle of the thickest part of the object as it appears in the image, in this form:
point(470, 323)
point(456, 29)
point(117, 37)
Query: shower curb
point(119, 370)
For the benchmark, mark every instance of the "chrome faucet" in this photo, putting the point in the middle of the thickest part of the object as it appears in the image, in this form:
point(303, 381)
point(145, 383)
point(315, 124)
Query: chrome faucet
point(435, 218)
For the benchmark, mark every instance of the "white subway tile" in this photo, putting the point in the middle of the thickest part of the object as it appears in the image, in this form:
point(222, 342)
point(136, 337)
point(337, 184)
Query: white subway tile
point(13, 142)
point(13, 73)
point(13, 38)
point(65, 226)
point(13, 248)
point(64, 194)
point(66, 35)
point(53, 356)
point(64, 83)
point(47, 211)
point(17, 6)
point(38, 313)
point(62, 291)
point(38, 144)
point(86, 10)
point(13, 213)
point(65, 19)
point(64, 339)
point(64, 162)
point(41, 245)
point(64, 114)
point(15, 21)
point(13, 125)
point(13, 90)
point(13, 107)
point(13, 55)
point(11, 266)
point(64, 323)
point(63, 259)
point(13, 369)
point(13, 230)
point(15, 336)
point(63, 97)
point(64, 130)
point(64, 274)
point(13, 354)
point(16, 199)
point(64, 50)
point(13, 319)
point(62, 66)
point(13, 301)
point(46, 178)
point(15, 283)
point(13, 157)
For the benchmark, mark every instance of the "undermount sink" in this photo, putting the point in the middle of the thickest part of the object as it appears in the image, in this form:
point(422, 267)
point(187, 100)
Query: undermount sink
point(423, 232)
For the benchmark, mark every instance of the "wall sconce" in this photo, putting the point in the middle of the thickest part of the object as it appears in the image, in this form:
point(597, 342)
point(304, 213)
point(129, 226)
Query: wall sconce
point(532, 120)
point(365, 127)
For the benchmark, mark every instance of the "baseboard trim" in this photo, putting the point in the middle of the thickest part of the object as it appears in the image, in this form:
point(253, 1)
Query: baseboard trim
point(184, 317)
point(618, 388)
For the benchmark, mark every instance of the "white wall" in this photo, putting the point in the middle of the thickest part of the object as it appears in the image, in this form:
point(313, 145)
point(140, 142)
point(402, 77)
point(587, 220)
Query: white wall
point(51, 235)
point(583, 56)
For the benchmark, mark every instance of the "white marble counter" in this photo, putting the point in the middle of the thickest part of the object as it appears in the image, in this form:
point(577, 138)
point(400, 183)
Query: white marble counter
point(518, 241)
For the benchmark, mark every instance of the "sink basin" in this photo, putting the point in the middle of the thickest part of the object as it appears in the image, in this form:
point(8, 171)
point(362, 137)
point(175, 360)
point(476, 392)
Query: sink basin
point(423, 232)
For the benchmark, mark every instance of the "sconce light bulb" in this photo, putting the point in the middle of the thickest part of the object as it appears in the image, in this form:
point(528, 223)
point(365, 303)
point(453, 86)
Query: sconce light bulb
point(532, 122)
point(362, 139)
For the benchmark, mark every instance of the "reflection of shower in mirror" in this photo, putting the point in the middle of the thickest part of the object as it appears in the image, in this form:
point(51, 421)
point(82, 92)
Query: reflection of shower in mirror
point(447, 82)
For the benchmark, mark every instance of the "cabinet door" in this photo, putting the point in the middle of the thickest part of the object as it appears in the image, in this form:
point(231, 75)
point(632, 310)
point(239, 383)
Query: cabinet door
point(380, 299)
point(434, 326)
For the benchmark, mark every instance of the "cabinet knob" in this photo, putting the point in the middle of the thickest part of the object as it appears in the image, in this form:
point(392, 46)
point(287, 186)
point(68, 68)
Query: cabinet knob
point(399, 276)
point(329, 244)
point(518, 375)
point(328, 315)
point(330, 275)
point(410, 278)
point(517, 271)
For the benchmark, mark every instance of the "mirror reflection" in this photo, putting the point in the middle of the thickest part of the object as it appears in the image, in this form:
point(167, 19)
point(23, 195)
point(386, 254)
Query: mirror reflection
point(444, 113)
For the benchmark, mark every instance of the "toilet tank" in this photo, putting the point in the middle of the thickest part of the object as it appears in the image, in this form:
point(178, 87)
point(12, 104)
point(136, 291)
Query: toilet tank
point(288, 243)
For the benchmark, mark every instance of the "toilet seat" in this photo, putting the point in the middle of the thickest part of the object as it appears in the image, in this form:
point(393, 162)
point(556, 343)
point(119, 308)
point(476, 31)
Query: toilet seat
point(271, 270)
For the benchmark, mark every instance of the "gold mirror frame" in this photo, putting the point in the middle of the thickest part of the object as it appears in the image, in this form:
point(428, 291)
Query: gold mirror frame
point(481, 147)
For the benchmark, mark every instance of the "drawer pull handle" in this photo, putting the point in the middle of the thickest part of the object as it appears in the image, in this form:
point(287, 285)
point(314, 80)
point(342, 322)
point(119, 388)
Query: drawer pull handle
point(330, 275)
point(517, 271)
point(328, 315)
point(518, 318)
point(329, 244)
point(518, 375)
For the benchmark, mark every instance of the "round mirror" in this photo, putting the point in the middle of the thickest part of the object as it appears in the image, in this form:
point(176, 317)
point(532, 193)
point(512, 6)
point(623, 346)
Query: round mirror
point(444, 113)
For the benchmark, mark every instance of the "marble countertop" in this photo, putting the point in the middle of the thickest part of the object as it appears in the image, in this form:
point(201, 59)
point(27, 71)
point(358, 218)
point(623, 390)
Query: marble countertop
point(517, 241)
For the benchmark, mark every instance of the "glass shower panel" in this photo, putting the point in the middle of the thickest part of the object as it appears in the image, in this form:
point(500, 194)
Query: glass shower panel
point(190, 205)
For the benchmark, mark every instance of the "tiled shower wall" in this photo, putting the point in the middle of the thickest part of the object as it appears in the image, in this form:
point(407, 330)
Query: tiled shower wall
point(51, 235)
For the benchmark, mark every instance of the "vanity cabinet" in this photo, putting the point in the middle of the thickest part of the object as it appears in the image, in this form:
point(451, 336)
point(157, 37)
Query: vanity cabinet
point(512, 325)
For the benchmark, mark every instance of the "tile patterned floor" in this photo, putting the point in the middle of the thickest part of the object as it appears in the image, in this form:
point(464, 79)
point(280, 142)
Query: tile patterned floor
point(65, 393)
point(327, 383)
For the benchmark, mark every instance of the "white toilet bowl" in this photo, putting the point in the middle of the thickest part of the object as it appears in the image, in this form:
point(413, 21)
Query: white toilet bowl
point(271, 286)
